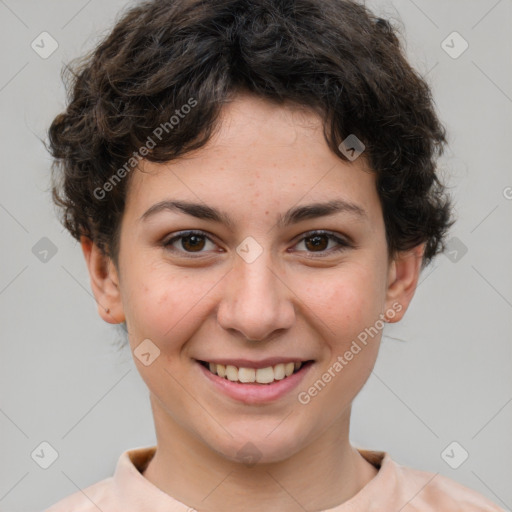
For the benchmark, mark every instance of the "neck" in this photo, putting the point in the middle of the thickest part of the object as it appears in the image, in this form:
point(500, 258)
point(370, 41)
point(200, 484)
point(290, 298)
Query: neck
point(324, 474)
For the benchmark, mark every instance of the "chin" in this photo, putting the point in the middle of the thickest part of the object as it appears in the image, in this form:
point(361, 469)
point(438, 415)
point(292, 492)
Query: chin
point(259, 443)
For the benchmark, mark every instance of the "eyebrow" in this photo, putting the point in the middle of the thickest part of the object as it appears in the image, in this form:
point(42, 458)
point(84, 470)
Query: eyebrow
point(292, 216)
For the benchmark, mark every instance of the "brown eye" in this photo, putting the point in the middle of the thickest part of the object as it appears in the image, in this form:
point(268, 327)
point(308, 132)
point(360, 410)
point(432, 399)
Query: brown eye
point(188, 242)
point(317, 243)
point(192, 242)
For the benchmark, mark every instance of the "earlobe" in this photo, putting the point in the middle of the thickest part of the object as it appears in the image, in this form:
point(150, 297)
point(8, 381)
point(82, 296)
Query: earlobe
point(104, 282)
point(403, 278)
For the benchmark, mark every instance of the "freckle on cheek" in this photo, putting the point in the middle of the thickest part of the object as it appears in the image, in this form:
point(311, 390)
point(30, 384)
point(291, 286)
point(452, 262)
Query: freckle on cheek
point(162, 299)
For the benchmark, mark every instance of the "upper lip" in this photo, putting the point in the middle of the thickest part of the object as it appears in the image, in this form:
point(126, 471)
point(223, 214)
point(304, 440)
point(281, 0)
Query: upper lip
point(263, 363)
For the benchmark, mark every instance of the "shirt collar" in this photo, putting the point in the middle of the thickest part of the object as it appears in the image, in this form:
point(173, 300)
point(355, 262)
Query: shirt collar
point(135, 493)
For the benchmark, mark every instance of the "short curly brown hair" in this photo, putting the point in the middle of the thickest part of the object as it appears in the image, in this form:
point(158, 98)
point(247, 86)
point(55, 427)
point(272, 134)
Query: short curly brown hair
point(332, 56)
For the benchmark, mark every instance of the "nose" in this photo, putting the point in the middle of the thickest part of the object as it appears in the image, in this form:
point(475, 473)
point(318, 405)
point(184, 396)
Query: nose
point(256, 301)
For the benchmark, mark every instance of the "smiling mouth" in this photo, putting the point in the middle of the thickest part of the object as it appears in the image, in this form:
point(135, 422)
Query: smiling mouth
point(266, 375)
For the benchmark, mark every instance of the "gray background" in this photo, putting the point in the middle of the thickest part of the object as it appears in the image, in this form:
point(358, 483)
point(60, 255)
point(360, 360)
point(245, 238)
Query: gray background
point(443, 373)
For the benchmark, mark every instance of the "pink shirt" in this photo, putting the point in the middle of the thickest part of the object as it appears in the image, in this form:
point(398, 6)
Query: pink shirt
point(394, 488)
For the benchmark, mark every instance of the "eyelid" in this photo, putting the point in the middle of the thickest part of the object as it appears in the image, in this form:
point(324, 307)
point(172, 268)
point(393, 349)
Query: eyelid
point(183, 234)
point(343, 241)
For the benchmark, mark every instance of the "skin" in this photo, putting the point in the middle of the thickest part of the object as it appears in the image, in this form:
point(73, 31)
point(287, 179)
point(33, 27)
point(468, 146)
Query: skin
point(290, 301)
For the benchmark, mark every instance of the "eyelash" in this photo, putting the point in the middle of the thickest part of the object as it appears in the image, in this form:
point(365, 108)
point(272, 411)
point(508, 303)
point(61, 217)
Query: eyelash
point(343, 244)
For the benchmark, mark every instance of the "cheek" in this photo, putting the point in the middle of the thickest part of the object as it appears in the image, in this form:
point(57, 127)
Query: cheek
point(345, 314)
point(345, 302)
point(161, 307)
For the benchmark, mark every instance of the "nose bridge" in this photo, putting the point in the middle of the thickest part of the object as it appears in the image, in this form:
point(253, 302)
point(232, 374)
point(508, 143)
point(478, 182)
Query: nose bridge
point(256, 302)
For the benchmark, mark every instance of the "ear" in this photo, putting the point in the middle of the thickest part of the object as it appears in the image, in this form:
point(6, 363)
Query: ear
point(104, 282)
point(403, 275)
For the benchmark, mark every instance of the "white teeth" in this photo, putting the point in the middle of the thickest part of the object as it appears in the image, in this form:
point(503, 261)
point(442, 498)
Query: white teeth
point(231, 372)
point(264, 375)
point(259, 375)
point(247, 375)
point(279, 371)
point(221, 370)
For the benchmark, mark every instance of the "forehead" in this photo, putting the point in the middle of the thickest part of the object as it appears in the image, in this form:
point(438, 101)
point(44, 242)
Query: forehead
point(261, 155)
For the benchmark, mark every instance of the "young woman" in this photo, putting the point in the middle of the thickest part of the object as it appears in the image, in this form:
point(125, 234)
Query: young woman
point(253, 185)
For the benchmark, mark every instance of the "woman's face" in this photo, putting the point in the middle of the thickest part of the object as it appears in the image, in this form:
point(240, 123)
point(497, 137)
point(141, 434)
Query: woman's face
point(254, 282)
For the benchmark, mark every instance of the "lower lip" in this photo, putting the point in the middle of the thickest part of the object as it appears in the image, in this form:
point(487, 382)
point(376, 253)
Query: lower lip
point(256, 393)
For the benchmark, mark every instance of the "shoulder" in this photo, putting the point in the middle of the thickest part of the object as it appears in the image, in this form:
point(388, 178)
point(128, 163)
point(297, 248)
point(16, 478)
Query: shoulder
point(125, 490)
point(91, 499)
point(435, 492)
point(399, 487)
